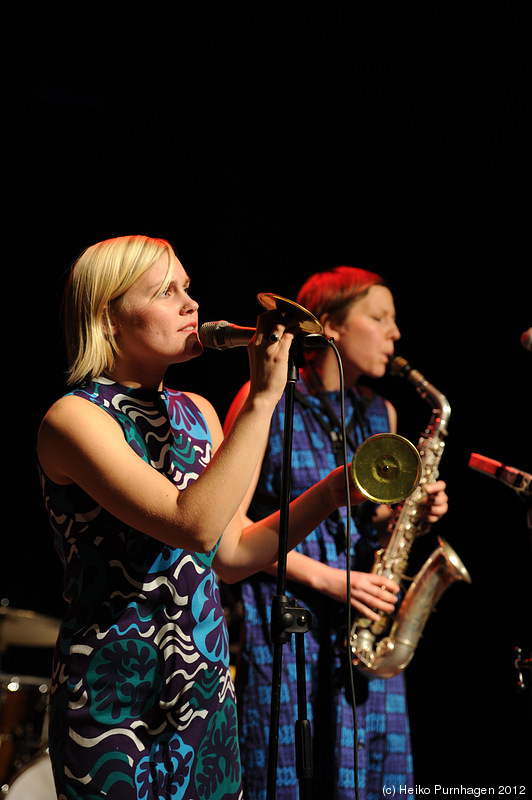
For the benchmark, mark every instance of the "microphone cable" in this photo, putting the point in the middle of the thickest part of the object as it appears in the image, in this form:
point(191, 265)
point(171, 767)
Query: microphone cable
point(349, 668)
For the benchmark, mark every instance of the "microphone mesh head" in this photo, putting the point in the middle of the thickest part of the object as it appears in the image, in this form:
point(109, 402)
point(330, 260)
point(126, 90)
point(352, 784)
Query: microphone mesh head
point(207, 333)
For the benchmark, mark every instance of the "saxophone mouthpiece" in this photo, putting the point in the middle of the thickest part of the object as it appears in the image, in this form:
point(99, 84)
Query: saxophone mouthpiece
point(398, 365)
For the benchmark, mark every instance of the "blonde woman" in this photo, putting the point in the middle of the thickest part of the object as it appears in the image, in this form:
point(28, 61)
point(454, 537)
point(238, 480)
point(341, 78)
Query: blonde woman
point(143, 497)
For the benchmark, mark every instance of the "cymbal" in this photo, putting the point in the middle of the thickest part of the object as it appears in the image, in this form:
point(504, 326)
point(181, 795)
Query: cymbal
point(386, 468)
point(306, 320)
point(22, 628)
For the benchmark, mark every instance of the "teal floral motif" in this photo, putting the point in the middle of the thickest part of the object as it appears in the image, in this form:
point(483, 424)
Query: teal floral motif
point(165, 772)
point(210, 634)
point(217, 773)
point(115, 772)
point(125, 679)
point(205, 689)
point(73, 794)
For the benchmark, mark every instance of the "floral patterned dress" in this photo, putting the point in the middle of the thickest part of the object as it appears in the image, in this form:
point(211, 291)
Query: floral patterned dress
point(142, 701)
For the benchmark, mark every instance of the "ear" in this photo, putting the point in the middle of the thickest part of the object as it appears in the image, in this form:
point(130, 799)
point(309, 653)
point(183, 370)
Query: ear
point(110, 328)
point(330, 327)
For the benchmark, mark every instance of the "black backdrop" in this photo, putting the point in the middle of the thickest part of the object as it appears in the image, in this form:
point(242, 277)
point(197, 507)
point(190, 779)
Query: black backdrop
point(267, 146)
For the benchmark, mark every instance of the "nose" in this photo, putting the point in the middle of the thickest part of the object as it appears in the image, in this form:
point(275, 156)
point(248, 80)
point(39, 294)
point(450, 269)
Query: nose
point(190, 306)
point(395, 333)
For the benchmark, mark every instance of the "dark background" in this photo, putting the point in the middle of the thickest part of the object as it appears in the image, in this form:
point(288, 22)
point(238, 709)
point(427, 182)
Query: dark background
point(266, 146)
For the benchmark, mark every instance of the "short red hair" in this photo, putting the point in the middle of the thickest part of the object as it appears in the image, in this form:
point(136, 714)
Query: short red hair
point(331, 292)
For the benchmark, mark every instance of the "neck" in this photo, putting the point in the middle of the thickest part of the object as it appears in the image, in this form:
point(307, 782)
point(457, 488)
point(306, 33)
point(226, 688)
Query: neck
point(324, 370)
point(137, 378)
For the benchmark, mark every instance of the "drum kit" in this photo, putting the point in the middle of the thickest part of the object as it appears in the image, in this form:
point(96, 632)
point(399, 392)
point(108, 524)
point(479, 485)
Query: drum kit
point(25, 767)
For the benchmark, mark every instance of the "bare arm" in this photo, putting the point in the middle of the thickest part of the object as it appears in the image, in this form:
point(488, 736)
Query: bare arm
point(243, 552)
point(365, 587)
point(300, 568)
point(229, 421)
point(368, 591)
point(80, 443)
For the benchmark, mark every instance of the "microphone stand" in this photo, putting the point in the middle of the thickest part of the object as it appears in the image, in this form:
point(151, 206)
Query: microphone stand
point(286, 620)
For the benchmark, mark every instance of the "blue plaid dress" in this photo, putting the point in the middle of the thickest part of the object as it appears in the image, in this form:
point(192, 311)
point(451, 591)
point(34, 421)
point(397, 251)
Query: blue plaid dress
point(383, 750)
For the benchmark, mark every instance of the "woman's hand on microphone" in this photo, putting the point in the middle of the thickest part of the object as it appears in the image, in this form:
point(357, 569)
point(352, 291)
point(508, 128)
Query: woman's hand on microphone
point(268, 353)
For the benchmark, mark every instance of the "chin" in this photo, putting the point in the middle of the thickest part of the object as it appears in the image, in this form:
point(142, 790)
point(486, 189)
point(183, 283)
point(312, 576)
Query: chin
point(193, 349)
point(378, 372)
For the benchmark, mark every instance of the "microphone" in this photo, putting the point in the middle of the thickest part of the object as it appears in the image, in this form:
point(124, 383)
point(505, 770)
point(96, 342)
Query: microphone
point(222, 335)
point(526, 339)
point(521, 482)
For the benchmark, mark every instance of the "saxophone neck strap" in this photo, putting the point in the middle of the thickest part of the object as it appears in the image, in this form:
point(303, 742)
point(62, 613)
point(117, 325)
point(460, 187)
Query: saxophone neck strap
point(328, 419)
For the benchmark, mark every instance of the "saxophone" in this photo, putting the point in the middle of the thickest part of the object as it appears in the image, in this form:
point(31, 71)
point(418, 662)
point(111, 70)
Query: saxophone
point(375, 651)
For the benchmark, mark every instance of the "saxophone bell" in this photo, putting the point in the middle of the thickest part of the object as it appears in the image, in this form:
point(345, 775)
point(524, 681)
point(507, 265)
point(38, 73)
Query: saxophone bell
point(387, 656)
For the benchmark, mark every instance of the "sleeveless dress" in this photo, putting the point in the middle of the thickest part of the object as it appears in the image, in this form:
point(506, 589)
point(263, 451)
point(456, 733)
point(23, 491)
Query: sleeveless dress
point(142, 700)
point(383, 750)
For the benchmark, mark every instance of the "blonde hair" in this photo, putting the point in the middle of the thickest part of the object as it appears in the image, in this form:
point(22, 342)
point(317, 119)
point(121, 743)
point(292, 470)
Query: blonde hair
point(98, 279)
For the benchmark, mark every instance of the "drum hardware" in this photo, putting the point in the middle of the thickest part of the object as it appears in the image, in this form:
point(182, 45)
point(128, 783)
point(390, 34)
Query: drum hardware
point(22, 628)
point(23, 721)
point(23, 698)
point(304, 318)
point(521, 664)
point(33, 782)
point(386, 468)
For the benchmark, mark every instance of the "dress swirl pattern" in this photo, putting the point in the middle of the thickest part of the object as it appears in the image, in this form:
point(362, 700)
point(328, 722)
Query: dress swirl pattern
point(142, 700)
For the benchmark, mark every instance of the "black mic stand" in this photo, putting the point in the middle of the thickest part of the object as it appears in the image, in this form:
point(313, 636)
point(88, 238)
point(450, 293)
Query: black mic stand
point(286, 620)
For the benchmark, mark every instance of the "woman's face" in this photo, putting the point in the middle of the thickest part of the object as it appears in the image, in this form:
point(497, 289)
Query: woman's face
point(365, 339)
point(155, 329)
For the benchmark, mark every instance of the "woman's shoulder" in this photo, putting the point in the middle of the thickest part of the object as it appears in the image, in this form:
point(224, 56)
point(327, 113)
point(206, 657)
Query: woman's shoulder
point(72, 417)
point(378, 405)
point(370, 397)
point(189, 398)
point(68, 426)
point(67, 406)
point(74, 406)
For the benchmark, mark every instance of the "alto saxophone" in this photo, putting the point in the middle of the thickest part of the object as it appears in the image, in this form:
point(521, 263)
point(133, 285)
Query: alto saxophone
point(385, 647)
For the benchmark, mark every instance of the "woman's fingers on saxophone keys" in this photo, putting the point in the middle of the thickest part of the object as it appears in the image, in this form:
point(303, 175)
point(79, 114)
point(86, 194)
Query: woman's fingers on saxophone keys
point(366, 610)
point(370, 606)
point(387, 601)
point(387, 585)
point(436, 503)
point(378, 592)
point(388, 594)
